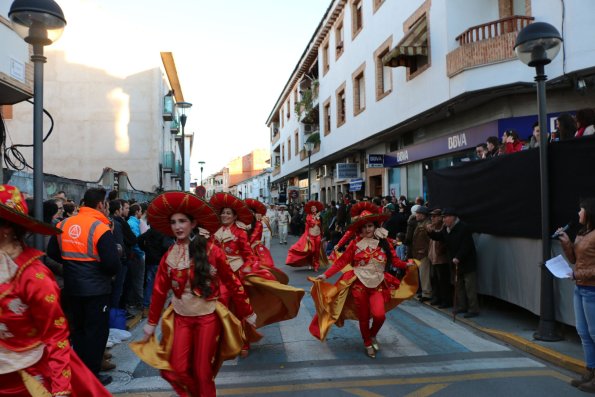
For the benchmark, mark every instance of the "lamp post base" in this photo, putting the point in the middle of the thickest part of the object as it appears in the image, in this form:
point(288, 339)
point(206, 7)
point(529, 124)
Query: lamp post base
point(546, 331)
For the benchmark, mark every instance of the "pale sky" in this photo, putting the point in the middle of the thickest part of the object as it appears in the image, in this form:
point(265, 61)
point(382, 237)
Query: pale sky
point(233, 58)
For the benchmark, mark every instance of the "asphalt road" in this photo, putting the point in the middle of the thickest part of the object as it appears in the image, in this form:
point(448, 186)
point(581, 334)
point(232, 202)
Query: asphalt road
point(423, 353)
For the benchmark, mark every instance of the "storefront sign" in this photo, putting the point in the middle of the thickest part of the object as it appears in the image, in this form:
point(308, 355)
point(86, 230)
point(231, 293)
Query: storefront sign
point(355, 185)
point(463, 140)
point(375, 160)
point(347, 170)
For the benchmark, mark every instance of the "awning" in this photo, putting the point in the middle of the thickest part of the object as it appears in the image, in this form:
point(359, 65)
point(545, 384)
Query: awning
point(415, 43)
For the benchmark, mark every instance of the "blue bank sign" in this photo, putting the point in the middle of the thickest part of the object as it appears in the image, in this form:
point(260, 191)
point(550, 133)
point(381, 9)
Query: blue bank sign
point(375, 160)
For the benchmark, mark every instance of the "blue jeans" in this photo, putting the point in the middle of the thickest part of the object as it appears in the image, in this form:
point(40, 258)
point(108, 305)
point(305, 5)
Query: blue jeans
point(150, 271)
point(584, 311)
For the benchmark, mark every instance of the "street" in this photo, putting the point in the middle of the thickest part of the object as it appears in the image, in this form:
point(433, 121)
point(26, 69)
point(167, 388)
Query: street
point(422, 353)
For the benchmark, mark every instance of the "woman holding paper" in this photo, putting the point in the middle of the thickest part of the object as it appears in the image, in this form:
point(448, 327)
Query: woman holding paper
point(582, 254)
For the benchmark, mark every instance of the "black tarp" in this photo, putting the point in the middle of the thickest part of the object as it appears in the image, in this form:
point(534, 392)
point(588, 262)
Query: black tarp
point(501, 195)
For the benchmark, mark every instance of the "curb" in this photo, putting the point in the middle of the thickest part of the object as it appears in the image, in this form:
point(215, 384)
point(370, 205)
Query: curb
point(550, 355)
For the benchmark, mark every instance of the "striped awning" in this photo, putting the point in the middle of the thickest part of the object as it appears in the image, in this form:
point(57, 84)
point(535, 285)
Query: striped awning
point(415, 43)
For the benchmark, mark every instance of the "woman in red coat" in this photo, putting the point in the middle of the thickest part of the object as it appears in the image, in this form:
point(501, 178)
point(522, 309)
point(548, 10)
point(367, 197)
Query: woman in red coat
point(370, 283)
point(196, 271)
point(307, 251)
point(35, 352)
point(272, 300)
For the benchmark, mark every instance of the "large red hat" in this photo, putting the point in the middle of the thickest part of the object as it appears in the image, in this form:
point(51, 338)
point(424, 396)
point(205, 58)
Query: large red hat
point(308, 207)
point(256, 206)
point(356, 209)
point(228, 200)
point(166, 204)
point(365, 212)
point(13, 208)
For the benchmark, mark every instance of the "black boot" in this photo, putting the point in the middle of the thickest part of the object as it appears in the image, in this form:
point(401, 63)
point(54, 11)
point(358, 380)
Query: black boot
point(586, 377)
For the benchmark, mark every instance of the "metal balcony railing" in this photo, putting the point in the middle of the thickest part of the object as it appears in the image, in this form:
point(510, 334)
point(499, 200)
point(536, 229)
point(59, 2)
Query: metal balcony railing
point(168, 161)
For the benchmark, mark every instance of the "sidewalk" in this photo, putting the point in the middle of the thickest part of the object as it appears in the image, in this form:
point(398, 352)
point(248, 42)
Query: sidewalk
point(514, 325)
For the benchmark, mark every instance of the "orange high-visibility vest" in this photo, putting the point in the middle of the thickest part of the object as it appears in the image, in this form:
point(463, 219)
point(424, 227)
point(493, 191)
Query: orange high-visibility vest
point(80, 234)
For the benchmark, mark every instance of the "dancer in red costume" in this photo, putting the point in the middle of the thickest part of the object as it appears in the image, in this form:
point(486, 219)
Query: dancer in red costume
point(272, 300)
point(35, 354)
point(371, 287)
point(262, 253)
point(307, 251)
point(195, 270)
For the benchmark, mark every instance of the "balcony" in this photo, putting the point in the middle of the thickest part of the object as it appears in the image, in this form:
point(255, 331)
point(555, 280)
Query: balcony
point(485, 44)
point(177, 170)
point(174, 126)
point(168, 162)
point(276, 170)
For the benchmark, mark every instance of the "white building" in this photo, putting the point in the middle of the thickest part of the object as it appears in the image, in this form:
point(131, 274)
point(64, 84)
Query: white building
point(256, 187)
point(455, 81)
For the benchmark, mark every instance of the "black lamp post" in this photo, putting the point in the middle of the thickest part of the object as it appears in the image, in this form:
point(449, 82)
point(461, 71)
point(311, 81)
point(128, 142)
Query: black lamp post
point(183, 106)
point(201, 163)
point(536, 45)
point(39, 23)
point(309, 146)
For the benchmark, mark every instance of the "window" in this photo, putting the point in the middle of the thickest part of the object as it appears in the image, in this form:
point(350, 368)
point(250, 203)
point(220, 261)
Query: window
point(295, 98)
point(376, 4)
point(288, 148)
point(288, 107)
point(341, 107)
point(357, 18)
point(282, 153)
point(325, 64)
point(282, 118)
point(296, 139)
point(326, 109)
point(384, 74)
point(339, 44)
point(359, 90)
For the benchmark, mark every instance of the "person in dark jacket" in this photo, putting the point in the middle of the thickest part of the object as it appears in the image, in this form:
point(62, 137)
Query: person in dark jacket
point(460, 249)
point(115, 209)
point(88, 251)
point(155, 244)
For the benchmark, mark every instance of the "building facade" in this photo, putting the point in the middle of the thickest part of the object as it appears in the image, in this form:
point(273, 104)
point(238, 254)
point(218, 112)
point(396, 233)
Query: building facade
point(120, 121)
point(390, 90)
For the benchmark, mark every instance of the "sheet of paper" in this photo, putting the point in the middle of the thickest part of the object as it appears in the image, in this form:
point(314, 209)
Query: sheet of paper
point(559, 267)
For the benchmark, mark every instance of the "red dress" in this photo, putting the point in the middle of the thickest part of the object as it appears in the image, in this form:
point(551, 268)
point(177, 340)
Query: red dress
point(193, 370)
point(34, 337)
point(370, 289)
point(307, 250)
point(272, 300)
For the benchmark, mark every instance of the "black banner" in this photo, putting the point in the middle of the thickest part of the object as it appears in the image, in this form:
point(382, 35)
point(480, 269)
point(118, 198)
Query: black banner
point(501, 195)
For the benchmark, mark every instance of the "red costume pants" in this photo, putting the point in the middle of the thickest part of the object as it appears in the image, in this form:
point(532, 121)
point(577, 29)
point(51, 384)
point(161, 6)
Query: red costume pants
point(194, 348)
point(369, 302)
point(315, 240)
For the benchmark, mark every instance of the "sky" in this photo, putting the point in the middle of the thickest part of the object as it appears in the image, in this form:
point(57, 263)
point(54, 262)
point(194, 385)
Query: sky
point(233, 58)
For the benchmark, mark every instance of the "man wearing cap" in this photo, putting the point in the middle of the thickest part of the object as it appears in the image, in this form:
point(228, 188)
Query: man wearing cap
point(420, 244)
point(440, 269)
point(460, 248)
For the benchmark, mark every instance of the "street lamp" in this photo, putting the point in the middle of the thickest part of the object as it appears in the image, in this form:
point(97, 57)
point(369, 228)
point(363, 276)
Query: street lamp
point(183, 106)
point(536, 45)
point(201, 163)
point(39, 23)
point(309, 146)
